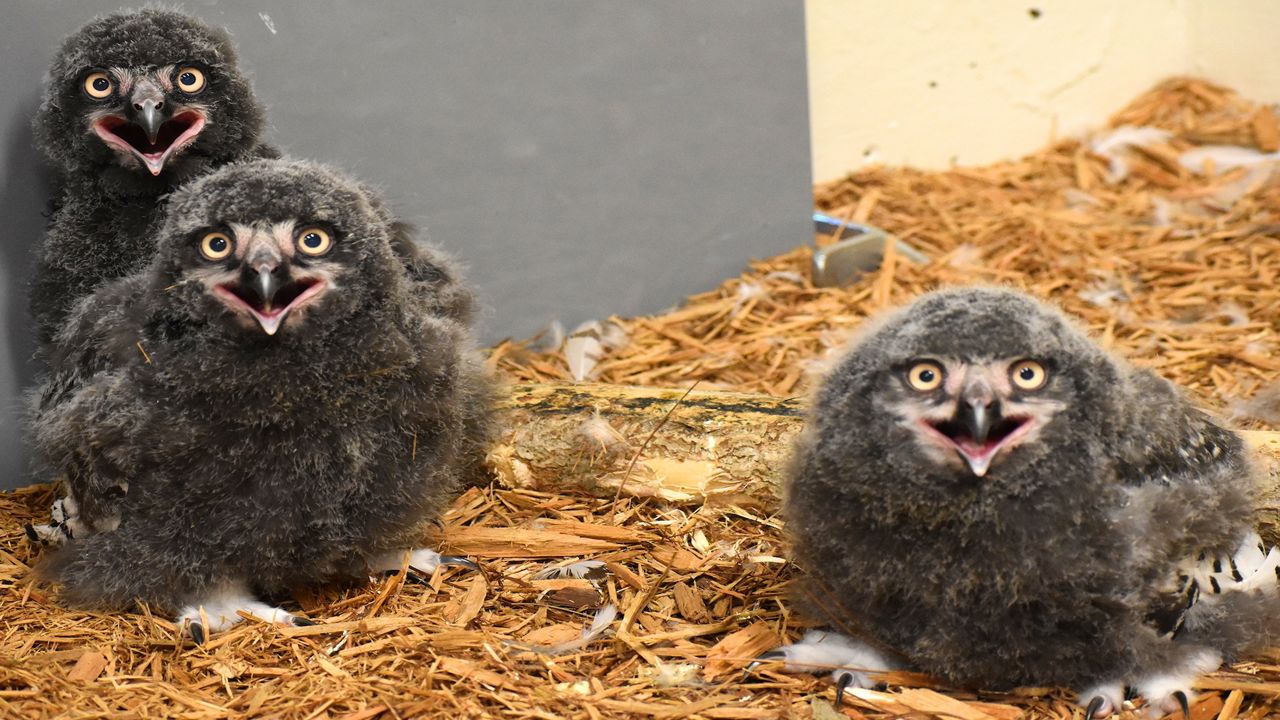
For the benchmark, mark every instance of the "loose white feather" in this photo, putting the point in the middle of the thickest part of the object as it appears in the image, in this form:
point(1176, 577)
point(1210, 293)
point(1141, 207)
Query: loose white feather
point(583, 569)
point(1223, 158)
point(1111, 144)
point(588, 343)
point(603, 618)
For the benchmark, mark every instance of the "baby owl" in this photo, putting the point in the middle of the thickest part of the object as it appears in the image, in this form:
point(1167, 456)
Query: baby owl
point(135, 104)
point(278, 403)
point(984, 495)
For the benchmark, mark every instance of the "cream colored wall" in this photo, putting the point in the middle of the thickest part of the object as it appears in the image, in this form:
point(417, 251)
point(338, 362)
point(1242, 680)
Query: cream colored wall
point(1234, 43)
point(931, 83)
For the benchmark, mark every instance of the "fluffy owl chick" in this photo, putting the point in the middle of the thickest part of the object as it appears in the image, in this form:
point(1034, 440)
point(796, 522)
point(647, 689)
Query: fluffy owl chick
point(279, 404)
point(135, 104)
point(984, 495)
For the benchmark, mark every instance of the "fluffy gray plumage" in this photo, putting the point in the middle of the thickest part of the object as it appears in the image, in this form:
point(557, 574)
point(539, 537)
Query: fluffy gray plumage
point(1060, 549)
point(111, 174)
point(268, 419)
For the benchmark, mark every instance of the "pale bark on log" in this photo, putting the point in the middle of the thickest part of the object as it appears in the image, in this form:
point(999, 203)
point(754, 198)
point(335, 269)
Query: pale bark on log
point(718, 448)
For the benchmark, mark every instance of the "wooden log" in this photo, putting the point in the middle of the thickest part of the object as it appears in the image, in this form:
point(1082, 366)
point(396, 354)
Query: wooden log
point(714, 447)
point(719, 448)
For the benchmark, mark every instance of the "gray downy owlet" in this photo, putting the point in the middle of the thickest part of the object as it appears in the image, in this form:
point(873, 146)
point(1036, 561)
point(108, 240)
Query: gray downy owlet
point(136, 104)
point(278, 404)
point(985, 495)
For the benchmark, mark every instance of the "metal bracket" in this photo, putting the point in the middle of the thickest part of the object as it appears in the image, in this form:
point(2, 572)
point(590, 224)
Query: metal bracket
point(860, 250)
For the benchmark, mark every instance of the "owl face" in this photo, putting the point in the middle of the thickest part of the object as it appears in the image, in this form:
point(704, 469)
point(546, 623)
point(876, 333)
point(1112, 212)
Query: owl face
point(266, 272)
point(966, 385)
point(970, 413)
point(276, 248)
point(146, 115)
point(147, 91)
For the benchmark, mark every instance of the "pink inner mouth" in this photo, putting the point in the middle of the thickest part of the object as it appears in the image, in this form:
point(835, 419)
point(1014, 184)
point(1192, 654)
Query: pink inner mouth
point(175, 134)
point(271, 316)
point(979, 455)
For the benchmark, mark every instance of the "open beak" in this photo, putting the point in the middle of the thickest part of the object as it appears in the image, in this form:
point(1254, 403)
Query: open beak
point(148, 135)
point(269, 294)
point(978, 432)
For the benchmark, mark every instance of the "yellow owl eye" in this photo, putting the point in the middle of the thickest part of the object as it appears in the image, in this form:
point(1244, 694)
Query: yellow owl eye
point(190, 80)
point(216, 246)
point(1028, 375)
point(97, 85)
point(314, 241)
point(925, 376)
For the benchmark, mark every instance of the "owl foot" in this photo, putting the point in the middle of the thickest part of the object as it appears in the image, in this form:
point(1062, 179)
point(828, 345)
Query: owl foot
point(1102, 701)
point(422, 563)
point(222, 612)
point(1171, 691)
point(64, 524)
point(851, 661)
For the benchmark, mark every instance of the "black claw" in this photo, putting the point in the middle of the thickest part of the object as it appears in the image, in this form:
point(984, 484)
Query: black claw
point(197, 632)
point(1093, 707)
point(764, 657)
point(846, 679)
point(1181, 697)
point(411, 576)
point(299, 621)
point(458, 561)
point(31, 533)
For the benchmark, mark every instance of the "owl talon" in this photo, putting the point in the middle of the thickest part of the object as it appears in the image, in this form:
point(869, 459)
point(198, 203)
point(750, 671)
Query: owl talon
point(422, 562)
point(197, 632)
point(1181, 698)
point(1103, 701)
point(765, 657)
point(1095, 708)
point(458, 561)
point(843, 680)
point(299, 621)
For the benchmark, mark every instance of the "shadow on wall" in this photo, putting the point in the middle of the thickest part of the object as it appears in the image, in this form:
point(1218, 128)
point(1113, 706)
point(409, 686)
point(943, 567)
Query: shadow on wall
point(23, 205)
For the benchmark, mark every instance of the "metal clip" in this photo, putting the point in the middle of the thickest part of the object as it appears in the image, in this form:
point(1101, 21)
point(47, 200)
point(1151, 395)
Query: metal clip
point(860, 250)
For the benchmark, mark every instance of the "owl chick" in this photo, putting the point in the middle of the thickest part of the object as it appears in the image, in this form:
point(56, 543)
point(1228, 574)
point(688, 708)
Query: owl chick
point(984, 495)
point(135, 104)
point(279, 404)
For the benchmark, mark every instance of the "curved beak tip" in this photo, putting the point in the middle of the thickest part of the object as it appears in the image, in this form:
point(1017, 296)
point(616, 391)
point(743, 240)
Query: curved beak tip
point(266, 286)
point(150, 119)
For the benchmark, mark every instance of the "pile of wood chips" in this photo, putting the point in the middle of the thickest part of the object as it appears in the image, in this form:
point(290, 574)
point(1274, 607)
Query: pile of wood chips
point(1173, 268)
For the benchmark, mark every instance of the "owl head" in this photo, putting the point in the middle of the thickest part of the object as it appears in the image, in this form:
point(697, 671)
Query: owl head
point(151, 96)
point(966, 386)
point(273, 249)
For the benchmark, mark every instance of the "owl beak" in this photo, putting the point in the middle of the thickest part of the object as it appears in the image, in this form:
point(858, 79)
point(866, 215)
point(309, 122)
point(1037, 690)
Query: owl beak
point(976, 417)
point(978, 432)
point(151, 129)
point(268, 292)
point(149, 116)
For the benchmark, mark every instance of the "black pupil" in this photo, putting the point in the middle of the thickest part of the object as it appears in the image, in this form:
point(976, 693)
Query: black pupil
point(100, 84)
point(1027, 373)
point(311, 240)
point(218, 244)
point(187, 78)
point(926, 376)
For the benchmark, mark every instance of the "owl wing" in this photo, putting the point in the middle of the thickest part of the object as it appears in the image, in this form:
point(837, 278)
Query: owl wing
point(1188, 507)
point(86, 412)
point(94, 339)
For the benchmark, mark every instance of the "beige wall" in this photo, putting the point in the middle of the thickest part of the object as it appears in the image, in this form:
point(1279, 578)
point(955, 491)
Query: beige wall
point(930, 83)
